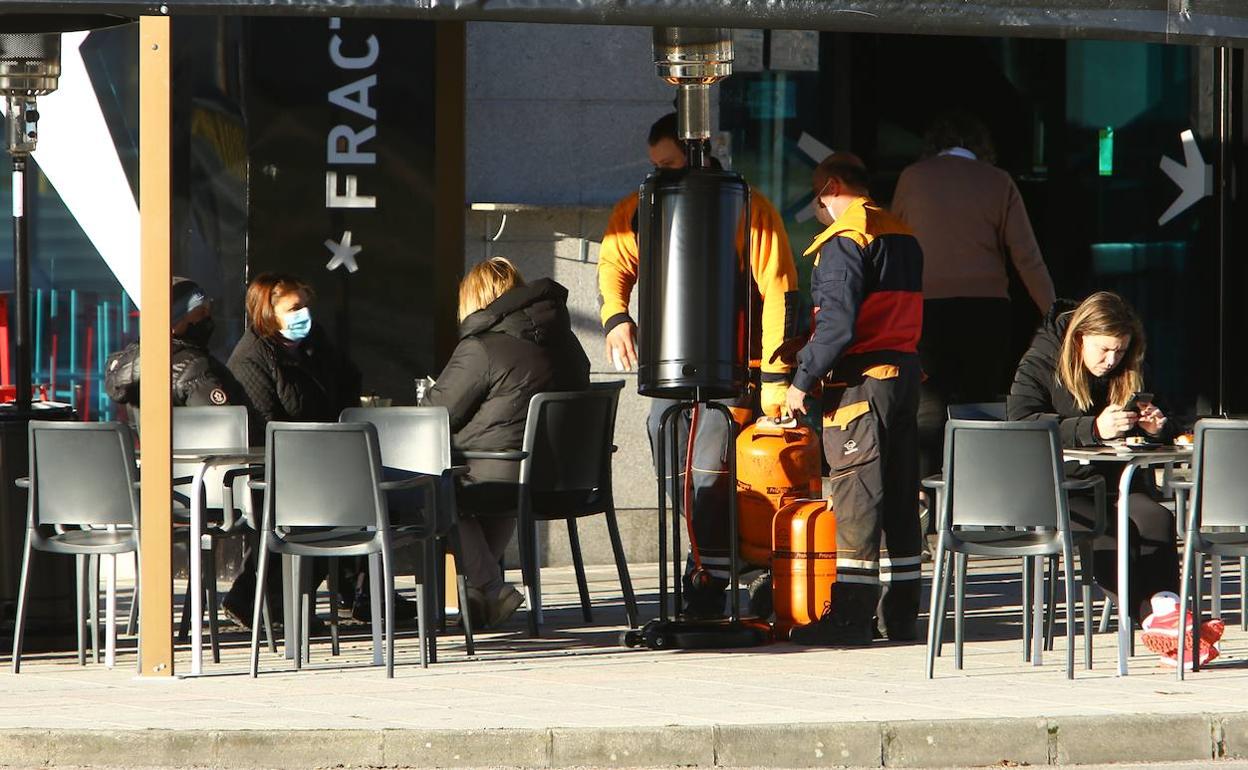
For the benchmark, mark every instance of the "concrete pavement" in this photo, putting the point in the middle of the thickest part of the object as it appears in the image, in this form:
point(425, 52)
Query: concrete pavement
point(575, 698)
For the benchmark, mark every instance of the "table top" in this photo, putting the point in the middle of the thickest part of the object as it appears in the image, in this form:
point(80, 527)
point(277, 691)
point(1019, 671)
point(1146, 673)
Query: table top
point(1110, 454)
point(239, 454)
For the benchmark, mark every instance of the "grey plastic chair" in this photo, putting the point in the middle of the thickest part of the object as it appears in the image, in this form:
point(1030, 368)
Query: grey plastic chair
point(83, 501)
point(996, 411)
point(565, 473)
point(1179, 481)
point(985, 410)
point(418, 439)
point(1216, 517)
point(324, 495)
point(1004, 494)
point(227, 501)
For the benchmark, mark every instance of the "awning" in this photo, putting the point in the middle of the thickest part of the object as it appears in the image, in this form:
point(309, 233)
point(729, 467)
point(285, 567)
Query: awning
point(1205, 22)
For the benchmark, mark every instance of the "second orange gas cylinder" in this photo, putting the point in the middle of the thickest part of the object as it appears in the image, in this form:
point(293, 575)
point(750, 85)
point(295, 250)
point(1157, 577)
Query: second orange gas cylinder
point(777, 463)
point(803, 563)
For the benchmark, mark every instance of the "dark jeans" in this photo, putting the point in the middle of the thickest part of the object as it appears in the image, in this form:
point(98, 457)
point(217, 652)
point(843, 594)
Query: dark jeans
point(965, 353)
point(1153, 553)
point(711, 488)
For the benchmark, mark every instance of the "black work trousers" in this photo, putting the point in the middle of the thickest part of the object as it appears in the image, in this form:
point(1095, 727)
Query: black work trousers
point(870, 441)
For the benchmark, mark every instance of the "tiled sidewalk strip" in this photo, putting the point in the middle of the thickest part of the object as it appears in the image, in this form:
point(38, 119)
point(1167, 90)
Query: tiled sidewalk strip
point(1060, 741)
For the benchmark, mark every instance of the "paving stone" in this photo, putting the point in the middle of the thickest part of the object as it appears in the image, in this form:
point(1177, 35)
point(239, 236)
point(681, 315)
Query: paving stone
point(633, 747)
point(965, 742)
point(856, 744)
point(140, 748)
point(1138, 737)
point(24, 747)
point(298, 748)
point(1233, 735)
point(466, 748)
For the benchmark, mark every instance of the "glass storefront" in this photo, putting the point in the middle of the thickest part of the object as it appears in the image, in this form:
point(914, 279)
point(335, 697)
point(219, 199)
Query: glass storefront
point(1080, 125)
point(80, 310)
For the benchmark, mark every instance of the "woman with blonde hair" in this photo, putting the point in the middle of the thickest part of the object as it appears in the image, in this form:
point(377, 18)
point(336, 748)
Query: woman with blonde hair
point(1083, 368)
point(515, 341)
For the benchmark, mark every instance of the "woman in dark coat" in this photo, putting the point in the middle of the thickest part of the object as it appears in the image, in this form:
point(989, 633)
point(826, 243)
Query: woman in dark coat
point(1083, 367)
point(285, 361)
point(290, 372)
point(516, 341)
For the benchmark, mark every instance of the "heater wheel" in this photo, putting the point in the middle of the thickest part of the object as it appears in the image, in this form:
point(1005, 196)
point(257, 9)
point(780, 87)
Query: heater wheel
point(653, 635)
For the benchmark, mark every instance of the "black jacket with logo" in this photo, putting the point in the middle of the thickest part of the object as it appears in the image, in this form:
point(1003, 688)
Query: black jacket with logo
point(305, 382)
point(198, 379)
point(520, 345)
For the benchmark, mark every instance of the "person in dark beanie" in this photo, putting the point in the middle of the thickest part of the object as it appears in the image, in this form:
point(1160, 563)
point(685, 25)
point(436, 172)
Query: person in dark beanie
point(197, 378)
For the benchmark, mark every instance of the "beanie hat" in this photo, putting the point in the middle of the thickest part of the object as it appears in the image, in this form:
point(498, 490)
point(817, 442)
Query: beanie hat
point(186, 296)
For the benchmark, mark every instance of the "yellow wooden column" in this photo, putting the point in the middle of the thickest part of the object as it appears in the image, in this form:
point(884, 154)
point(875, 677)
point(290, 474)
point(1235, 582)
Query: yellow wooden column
point(156, 539)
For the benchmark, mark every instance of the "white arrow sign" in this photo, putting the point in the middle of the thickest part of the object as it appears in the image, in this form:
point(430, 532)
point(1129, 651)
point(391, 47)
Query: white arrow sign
point(1194, 177)
point(816, 151)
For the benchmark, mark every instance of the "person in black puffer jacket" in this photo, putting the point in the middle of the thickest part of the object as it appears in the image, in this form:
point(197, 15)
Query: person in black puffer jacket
point(1083, 365)
point(198, 378)
point(516, 341)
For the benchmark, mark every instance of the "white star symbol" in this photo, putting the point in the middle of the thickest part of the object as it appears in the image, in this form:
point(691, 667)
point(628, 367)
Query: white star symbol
point(343, 253)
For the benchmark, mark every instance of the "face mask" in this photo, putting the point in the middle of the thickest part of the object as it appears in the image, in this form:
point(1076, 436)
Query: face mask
point(199, 332)
point(298, 324)
point(822, 213)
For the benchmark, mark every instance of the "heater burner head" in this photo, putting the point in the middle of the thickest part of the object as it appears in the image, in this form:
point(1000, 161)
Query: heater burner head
point(692, 55)
point(30, 65)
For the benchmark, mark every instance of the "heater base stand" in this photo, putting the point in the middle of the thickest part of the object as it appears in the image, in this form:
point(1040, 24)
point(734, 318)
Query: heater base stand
point(682, 634)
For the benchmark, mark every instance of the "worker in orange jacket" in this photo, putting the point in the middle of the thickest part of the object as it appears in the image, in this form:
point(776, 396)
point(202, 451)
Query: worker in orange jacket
point(774, 289)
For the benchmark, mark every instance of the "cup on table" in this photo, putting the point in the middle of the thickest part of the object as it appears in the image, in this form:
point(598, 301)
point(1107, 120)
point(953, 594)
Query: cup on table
point(423, 385)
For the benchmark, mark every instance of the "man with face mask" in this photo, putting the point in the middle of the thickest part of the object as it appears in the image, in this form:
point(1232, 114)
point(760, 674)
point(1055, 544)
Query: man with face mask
point(198, 378)
point(774, 302)
point(863, 354)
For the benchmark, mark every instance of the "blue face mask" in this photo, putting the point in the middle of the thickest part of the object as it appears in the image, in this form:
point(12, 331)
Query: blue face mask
point(298, 324)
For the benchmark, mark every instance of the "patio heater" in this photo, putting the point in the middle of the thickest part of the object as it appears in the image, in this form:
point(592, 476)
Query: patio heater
point(693, 240)
point(30, 67)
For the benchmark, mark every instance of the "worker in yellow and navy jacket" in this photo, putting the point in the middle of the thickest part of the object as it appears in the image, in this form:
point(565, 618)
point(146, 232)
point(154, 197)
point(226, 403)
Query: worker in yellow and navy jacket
point(867, 289)
point(774, 282)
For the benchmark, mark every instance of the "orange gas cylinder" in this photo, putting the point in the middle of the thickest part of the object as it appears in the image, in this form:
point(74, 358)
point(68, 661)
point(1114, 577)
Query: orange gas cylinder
point(803, 565)
point(777, 463)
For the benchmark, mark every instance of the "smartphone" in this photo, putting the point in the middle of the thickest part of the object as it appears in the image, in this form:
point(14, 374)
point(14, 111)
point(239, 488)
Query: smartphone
point(1138, 399)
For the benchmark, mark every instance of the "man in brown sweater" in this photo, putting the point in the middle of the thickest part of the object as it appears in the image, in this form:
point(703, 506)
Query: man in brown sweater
point(969, 219)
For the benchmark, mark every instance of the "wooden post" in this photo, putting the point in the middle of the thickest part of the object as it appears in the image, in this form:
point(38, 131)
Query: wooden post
point(155, 417)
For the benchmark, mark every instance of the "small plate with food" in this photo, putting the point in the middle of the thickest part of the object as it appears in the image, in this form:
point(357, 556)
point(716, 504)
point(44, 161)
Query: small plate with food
point(1134, 444)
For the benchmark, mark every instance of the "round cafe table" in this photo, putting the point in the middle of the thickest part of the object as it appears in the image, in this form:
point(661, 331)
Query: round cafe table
point(1130, 460)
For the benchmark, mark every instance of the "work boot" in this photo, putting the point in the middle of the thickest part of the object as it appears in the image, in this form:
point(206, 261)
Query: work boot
point(899, 611)
point(704, 602)
point(846, 619)
point(761, 604)
point(831, 630)
point(362, 607)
